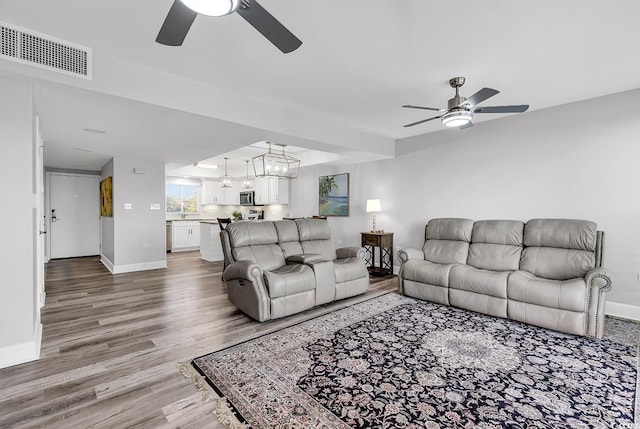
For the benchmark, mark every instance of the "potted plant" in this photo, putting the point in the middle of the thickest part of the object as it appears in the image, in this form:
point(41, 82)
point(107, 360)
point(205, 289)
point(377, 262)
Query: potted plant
point(237, 215)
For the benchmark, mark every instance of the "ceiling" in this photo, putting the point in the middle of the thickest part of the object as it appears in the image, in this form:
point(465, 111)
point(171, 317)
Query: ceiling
point(359, 62)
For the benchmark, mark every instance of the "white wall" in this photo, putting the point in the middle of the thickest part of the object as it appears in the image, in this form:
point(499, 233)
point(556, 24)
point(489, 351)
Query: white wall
point(135, 239)
point(574, 161)
point(20, 327)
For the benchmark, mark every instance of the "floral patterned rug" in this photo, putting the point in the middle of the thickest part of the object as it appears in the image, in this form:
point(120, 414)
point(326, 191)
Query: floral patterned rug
point(395, 362)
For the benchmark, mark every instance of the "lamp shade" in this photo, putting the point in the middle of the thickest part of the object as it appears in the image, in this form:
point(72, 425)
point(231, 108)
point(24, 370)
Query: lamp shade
point(373, 206)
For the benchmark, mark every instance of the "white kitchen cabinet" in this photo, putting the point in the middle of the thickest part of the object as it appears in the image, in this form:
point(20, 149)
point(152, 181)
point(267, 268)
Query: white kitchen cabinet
point(271, 190)
point(185, 235)
point(213, 193)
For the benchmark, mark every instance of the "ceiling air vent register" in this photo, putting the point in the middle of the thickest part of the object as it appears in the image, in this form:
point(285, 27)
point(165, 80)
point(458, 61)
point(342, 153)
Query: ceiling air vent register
point(39, 50)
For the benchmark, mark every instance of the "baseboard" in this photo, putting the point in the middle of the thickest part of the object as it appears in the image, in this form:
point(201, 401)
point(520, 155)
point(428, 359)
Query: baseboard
point(624, 311)
point(23, 352)
point(107, 263)
point(129, 268)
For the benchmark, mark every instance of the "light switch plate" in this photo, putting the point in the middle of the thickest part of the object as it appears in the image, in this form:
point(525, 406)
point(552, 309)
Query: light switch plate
point(155, 207)
point(128, 206)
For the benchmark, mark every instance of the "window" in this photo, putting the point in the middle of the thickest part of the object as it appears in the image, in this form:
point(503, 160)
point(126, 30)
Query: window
point(183, 199)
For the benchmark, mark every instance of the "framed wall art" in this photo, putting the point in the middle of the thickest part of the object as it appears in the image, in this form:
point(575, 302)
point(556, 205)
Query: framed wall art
point(106, 197)
point(333, 195)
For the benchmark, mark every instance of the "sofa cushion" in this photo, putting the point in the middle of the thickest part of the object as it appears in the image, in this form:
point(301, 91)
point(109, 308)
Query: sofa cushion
point(567, 295)
point(313, 229)
point(426, 272)
point(561, 233)
point(559, 249)
point(251, 233)
point(496, 245)
point(288, 237)
point(485, 282)
point(268, 256)
point(348, 269)
point(321, 247)
point(557, 264)
point(449, 229)
point(447, 240)
point(509, 232)
point(289, 280)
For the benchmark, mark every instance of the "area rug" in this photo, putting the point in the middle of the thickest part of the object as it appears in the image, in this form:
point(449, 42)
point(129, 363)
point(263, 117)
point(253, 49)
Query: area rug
point(395, 362)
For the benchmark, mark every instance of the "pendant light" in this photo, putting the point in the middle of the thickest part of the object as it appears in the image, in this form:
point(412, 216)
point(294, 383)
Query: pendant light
point(225, 181)
point(273, 164)
point(247, 183)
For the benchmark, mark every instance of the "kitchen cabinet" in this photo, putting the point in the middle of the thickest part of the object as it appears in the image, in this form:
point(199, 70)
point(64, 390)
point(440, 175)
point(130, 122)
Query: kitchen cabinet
point(271, 190)
point(186, 235)
point(213, 193)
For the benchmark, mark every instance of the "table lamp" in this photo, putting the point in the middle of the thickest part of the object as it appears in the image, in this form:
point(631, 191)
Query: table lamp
point(373, 206)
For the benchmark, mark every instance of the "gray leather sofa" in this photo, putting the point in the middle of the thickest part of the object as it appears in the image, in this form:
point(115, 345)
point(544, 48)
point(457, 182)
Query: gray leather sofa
point(275, 269)
point(547, 272)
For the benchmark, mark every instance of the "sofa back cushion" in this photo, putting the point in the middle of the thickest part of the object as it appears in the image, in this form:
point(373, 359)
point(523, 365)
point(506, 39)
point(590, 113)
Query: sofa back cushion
point(559, 249)
point(315, 237)
point(447, 240)
point(496, 245)
point(288, 237)
point(256, 241)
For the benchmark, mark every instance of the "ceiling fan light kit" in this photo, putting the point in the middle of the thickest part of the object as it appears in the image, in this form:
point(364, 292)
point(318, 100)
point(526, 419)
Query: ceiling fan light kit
point(184, 12)
point(460, 110)
point(457, 118)
point(212, 7)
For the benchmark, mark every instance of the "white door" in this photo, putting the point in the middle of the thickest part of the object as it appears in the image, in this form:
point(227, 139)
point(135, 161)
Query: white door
point(74, 215)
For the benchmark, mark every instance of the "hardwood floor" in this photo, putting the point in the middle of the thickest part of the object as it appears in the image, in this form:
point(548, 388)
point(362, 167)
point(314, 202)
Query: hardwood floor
point(112, 345)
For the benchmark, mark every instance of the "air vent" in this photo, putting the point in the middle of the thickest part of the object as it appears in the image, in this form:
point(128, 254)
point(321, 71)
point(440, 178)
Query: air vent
point(39, 50)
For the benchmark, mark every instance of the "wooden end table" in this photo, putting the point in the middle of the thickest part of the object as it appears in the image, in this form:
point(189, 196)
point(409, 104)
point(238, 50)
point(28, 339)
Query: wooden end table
point(383, 241)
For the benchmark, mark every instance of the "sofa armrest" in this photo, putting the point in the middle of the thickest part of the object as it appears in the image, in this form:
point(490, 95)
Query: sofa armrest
point(405, 254)
point(598, 282)
point(243, 270)
point(350, 252)
point(304, 258)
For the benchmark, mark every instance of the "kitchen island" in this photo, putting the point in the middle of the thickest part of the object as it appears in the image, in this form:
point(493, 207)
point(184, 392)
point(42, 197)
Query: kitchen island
point(210, 247)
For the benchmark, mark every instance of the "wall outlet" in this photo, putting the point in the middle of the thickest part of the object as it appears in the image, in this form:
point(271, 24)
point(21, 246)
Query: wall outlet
point(155, 207)
point(339, 242)
point(146, 245)
point(128, 206)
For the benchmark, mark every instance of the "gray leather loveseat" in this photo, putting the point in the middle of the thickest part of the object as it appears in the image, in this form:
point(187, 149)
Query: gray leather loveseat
point(547, 272)
point(275, 269)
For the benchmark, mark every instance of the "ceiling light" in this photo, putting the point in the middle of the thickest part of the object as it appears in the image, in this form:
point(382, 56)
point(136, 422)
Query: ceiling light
point(457, 118)
point(212, 7)
point(247, 183)
point(205, 165)
point(226, 181)
point(276, 164)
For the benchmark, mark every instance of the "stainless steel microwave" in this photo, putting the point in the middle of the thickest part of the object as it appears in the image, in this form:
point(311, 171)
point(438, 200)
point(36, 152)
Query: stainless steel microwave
point(247, 198)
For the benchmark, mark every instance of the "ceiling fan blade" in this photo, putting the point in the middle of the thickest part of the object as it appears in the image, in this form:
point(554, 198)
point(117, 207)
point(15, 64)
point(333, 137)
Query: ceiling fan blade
point(467, 125)
point(479, 96)
point(424, 108)
point(268, 26)
point(423, 121)
point(502, 109)
point(176, 25)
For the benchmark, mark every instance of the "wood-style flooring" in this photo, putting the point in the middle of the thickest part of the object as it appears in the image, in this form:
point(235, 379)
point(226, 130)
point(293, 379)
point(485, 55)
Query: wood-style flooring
point(112, 345)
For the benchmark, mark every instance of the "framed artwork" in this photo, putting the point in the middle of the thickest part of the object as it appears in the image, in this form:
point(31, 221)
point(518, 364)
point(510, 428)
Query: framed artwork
point(333, 195)
point(106, 197)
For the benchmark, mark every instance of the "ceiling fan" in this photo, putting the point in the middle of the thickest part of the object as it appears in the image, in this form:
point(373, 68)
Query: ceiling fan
point(183, 12)
point(460, 110)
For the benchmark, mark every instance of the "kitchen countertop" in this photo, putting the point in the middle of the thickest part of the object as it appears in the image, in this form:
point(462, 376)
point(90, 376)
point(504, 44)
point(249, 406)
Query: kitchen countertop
point(193, 220)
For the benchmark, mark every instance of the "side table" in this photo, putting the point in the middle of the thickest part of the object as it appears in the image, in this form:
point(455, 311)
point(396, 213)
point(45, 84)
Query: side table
point(384, 241)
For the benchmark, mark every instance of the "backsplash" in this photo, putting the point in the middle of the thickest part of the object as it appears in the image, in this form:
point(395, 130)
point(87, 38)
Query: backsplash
point(211, 211)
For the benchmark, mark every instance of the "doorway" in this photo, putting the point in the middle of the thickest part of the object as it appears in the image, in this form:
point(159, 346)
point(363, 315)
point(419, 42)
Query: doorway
point(74, 215)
